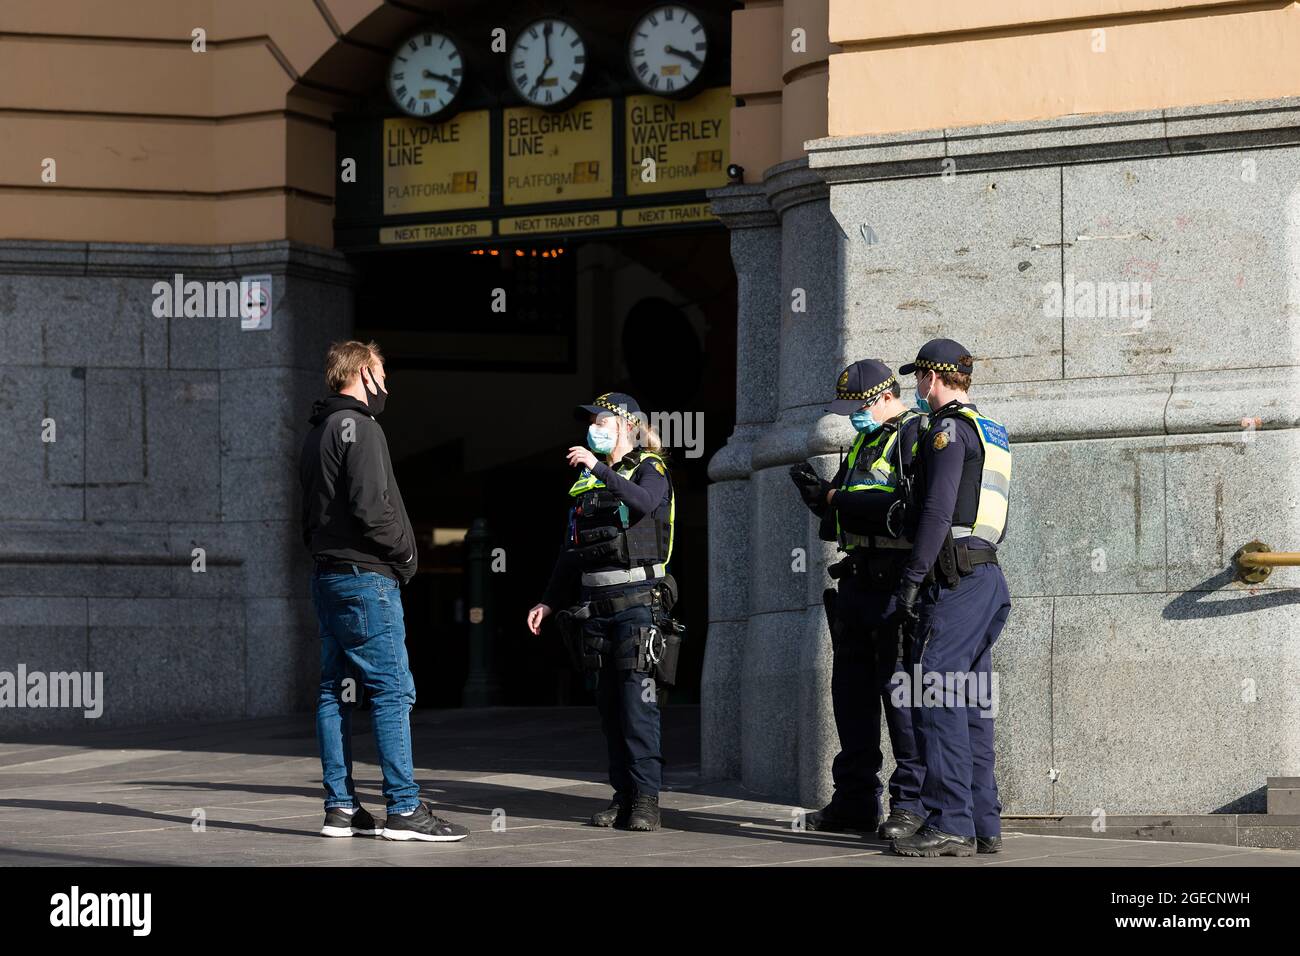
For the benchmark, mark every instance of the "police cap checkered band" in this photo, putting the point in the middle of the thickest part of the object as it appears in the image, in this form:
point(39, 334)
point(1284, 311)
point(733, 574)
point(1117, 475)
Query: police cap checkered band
point(624, 406)
point(940, 366)
point(940, 355)
point(869, 393)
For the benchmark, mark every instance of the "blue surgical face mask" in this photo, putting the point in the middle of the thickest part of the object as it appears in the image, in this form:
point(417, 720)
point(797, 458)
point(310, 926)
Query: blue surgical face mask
point(862, 422)
point(599, 440)
point(922, 403)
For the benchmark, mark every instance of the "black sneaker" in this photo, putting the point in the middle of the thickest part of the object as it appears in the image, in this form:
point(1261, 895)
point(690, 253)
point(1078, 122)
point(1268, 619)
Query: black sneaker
point(340, 823)
point(615, 814)
point(991, 844)
point(424, 825)
point(645, 813)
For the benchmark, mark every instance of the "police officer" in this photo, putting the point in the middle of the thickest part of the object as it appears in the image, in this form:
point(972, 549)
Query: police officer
point(953, 602)
point(613, 570)
point(862, 510)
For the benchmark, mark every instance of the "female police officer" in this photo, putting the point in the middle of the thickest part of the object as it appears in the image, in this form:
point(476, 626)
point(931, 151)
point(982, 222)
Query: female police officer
point(613, 562)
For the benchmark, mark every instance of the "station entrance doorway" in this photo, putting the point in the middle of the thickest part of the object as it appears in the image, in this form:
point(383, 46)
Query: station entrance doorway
point(488, 348)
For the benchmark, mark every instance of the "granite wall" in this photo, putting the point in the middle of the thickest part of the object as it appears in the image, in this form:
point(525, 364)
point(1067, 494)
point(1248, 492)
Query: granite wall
point(1135, 675)
point(170, 434)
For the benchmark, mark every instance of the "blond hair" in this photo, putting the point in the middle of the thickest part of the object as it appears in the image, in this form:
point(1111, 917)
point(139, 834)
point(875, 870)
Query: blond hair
point(345, 360)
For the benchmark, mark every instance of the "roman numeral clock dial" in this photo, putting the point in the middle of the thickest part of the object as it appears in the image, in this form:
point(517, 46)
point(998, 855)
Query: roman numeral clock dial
point(426, 75)
point(667, 49)
point(547, 63)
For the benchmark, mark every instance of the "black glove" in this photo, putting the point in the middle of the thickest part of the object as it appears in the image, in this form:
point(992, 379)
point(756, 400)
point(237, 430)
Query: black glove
point(907, 609)
point(811, 487)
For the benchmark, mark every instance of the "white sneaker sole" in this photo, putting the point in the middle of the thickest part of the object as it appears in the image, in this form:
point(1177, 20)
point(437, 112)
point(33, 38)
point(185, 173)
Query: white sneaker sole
point(406, 835)
point(347, 832)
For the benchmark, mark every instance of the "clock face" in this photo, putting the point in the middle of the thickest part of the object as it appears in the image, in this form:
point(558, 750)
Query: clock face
point(548, 62)
point(426, 74)
point(667, 49)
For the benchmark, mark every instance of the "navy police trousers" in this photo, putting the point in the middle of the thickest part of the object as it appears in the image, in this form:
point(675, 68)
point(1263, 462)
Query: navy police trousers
point(953, 709)
point(628, 700)
point(862, 676)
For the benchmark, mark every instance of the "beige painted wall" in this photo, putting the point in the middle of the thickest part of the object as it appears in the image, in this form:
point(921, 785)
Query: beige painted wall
point(927, 64)
point(154, 142)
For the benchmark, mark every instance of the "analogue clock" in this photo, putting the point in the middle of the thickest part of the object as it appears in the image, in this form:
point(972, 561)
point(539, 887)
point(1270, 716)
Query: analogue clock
point(667, 49)
point(426, 74)
point(548, 62)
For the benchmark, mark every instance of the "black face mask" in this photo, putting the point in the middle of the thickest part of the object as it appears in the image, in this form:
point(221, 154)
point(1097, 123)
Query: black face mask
point(375, 401)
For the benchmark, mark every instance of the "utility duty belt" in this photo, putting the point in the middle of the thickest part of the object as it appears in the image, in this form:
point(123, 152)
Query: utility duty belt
point(604, 579)
point(873, 570)
point(957, 559)
point(653, 649)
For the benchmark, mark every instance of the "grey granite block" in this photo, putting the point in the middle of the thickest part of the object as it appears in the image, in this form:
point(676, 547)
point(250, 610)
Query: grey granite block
point(720, 701)
point(1223, 492)
point(168, 659)
point(810, 353)
point(965, 258)
point(1143, 687)
point(115, 427)
point(756, 254)
point(818, 741)
point(1022, 660)
point(1215, 248)
point(46, 635)
point(283, 656)
point(44, 478)
point(779, 546)
point(182, 479)
point(729, 551)
point(1104, 535)
point(769, 703)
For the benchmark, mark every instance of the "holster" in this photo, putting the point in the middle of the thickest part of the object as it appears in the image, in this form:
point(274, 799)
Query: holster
point(830, 602)
point(946, 564)
point(570, 628)
point(658, 651)
point(956, 560)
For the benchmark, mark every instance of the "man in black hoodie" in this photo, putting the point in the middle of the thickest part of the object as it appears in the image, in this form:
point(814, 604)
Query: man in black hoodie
point(361, 539)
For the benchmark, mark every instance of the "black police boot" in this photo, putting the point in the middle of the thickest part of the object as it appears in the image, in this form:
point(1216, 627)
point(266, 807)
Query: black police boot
point(615, 813)
point(831, 819)
point(931, 842)
point(645, 813)
point(901, 823)
point(991, 844)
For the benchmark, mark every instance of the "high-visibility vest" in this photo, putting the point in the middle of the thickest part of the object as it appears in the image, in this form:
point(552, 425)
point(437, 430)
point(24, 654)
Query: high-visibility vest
point(990, 521)
point(877, 471)
point(643, 539)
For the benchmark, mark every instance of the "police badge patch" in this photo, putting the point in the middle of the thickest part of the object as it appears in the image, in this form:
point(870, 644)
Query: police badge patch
point(941, 441)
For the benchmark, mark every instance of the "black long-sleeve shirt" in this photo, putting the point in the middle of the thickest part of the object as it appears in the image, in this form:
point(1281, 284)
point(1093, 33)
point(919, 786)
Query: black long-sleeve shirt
point(941, 466)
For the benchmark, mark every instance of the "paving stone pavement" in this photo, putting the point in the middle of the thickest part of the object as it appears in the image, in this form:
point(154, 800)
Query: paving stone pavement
point(127, 798)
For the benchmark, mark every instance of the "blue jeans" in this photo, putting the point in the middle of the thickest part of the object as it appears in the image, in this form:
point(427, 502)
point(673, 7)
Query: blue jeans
point(363, 637)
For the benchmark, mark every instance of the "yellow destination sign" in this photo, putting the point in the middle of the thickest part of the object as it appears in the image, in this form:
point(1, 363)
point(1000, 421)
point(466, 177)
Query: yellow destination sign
point(559, 222)
point(668, 215)
point(436, 232)
point(432, 167)
point(686, 139)
point(556, 157)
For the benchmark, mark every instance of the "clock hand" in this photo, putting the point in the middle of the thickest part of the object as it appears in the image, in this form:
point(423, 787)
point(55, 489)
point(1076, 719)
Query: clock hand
point(698, 63)
point(546, 65)
point(439, 76)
